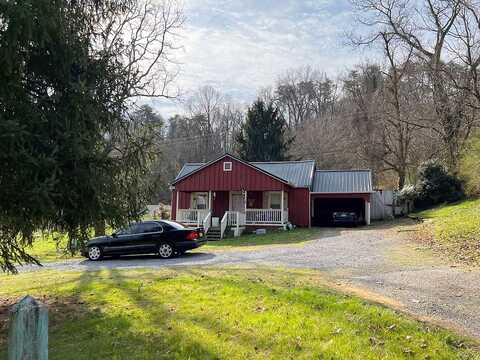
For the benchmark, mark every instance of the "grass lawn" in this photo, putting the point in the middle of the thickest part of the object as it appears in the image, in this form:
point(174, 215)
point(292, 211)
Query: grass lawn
point(274, 237)
point(47, 248)
point(227, 313)
point(455, 230)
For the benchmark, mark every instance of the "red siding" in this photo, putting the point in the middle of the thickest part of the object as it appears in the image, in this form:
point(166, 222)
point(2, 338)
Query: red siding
point(242, 177)
point(184, 202)
point(299, 207)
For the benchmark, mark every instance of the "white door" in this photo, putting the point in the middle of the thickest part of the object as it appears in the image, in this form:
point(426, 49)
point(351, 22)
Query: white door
point(238, 202)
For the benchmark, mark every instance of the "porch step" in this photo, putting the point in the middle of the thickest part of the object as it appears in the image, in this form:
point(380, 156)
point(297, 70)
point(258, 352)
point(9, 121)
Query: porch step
point(214, 233)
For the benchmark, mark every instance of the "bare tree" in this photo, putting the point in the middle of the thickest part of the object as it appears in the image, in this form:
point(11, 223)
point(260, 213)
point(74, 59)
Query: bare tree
point(304, 94)
point(426, 27)
point(144, 35)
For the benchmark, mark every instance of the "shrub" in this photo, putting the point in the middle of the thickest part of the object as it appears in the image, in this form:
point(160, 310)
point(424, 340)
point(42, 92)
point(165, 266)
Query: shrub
point(470, 166)
point(436, 186)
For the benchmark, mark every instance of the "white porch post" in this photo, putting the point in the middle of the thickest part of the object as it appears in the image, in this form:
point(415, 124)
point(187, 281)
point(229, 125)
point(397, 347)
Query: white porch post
point(238, 225)
point(210, 200)
point(245, 202)
point(178, 199)
point(282, 206)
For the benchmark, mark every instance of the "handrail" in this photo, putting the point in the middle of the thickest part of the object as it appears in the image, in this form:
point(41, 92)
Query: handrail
point(206, 222)
point(223, 224)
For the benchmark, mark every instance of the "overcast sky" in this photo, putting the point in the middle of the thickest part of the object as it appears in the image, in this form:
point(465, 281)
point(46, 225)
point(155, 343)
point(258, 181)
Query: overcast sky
point(240, 46)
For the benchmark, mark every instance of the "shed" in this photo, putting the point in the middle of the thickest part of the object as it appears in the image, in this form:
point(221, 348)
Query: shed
point(340, 190)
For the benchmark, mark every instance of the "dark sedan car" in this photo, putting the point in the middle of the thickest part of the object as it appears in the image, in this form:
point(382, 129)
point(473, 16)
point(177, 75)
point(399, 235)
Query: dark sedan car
point(345, 218)
point(165, 238)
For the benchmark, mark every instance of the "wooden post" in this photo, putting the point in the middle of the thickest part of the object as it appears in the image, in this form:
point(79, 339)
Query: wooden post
point(238, 225)
point(28, 335)
point(281, 214)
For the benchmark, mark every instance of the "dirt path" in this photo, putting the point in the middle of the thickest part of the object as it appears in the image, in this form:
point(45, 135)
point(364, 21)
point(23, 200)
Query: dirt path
point(377, 259)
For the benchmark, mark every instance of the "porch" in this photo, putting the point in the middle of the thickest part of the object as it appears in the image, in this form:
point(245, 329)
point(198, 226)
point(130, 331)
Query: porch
point(232, 209)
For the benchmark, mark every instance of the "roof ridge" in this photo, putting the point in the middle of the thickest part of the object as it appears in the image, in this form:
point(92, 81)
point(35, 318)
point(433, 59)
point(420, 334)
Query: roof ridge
point(346, 170)
point(280, 161)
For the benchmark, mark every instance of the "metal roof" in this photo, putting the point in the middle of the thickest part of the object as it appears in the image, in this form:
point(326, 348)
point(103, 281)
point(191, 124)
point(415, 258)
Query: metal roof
point(342, 181)
point(297, 173)
point(188, 168)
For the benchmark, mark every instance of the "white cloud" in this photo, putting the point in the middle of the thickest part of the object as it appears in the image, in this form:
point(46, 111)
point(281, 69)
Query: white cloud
point(241, 46)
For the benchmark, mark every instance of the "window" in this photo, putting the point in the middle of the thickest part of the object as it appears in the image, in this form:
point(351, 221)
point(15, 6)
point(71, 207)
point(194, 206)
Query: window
point(275, 200)
point(199, 201)
point(227, 166)
point(170, 225)
point(149, 228)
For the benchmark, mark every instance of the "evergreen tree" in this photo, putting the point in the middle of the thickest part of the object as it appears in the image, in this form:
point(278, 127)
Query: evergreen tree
point(70, 155)
point(264, 134)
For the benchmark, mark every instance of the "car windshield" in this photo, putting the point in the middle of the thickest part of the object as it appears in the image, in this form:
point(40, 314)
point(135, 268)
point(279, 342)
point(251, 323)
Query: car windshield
point(174, 224)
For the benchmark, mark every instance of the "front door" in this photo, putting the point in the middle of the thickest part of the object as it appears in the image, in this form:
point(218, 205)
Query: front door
point(238, 202)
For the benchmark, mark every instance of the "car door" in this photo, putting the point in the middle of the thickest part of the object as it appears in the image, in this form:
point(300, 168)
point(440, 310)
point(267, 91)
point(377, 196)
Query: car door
point(125, 241)
point(149, 237)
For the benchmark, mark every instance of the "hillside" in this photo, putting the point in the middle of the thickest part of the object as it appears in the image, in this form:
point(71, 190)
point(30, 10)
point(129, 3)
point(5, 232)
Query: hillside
point(455, 230)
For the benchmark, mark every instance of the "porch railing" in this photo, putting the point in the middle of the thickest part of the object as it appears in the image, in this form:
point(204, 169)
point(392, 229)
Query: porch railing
point(207, 221)
point(266, 216)
point(232, 218)
point(192, 216)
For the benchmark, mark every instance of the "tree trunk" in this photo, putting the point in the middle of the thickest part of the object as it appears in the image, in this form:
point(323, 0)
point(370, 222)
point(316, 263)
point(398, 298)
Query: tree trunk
point(100, 228)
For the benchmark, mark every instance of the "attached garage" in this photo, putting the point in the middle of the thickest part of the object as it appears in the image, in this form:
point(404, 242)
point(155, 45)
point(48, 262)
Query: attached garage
point(340, 190)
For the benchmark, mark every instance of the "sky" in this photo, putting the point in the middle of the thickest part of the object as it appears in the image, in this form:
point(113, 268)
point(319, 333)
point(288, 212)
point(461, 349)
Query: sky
point(241, 46)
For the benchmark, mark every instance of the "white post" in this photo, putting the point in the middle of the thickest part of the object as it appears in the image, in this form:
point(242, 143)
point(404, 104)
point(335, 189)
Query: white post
point(238, 224)
point(245, 202)
point(367, 212)
point(210, 200)
point(281, 206)
point(178, 199)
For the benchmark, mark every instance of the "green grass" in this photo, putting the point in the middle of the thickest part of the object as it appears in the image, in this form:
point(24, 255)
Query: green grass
point(220, 314)
point(273, 237)
point(49, 247)
point(455, 229)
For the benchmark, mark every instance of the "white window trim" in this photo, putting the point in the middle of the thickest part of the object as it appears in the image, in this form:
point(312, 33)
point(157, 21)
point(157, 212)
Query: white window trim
point(279, 193)
point(229, 167)
point(194, 195)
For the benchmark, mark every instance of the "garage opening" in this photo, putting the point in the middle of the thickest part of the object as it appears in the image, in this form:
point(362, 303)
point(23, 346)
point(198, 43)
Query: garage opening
point(323, 209)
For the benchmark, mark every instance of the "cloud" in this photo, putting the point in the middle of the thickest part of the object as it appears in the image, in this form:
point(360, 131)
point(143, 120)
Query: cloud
point(241, 46)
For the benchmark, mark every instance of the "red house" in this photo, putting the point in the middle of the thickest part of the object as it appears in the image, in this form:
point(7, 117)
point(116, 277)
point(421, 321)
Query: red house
point(229, 192)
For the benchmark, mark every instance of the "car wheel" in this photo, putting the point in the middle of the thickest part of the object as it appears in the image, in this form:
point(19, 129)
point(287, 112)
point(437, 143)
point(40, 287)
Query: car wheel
point(95, 253)
point(166, 251)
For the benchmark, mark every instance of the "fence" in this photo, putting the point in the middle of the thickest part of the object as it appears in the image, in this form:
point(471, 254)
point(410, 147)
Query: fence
point(384, 205)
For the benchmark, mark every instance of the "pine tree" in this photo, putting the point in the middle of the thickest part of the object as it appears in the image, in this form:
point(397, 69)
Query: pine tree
point(70, 156)
point(264, 134)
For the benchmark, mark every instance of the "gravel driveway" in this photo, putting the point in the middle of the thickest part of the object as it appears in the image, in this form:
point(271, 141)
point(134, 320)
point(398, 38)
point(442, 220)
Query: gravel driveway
point(378, 259)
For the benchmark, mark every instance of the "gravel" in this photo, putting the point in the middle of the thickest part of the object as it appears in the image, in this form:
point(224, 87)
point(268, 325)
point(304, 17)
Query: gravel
point(378, 259)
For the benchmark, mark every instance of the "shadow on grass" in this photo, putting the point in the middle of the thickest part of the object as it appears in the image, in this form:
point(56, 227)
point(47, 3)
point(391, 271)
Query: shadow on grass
point(127, 261)
point(213, 314)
